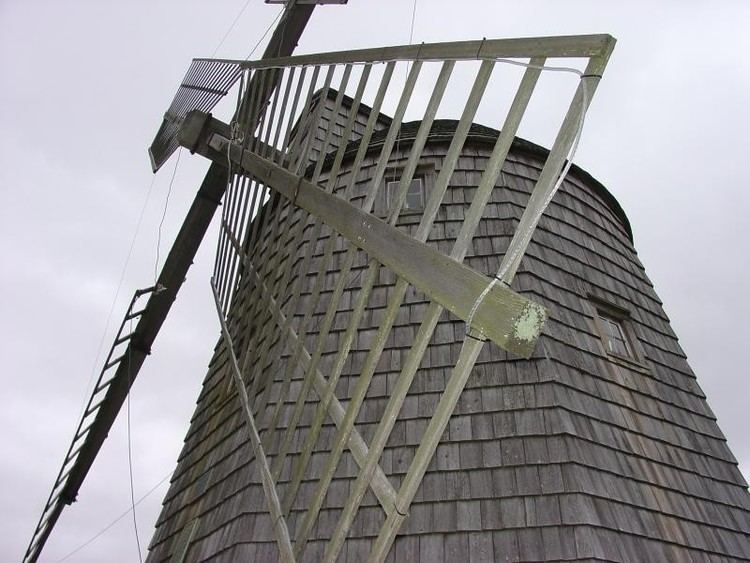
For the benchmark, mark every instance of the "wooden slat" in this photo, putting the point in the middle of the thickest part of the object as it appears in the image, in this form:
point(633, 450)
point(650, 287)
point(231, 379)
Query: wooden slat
point(572, 46)
point(290, 119)
point(380, 484)
point(269, 122)
point(269, 486)
point(283, 108)
point(299, 162)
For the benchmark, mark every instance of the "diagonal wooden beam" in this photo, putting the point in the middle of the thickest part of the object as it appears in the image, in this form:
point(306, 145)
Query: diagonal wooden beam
point(509, 319)
point(549, 180)
point(269, 487)
point(380, 484)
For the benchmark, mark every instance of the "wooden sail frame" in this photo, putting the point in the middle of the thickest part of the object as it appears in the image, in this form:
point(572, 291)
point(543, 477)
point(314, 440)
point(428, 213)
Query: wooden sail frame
point(280, 191)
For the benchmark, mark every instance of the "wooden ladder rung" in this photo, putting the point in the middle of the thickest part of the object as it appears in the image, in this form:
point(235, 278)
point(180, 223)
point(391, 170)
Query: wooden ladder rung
point(112, 362)
point(135, 314)
point(122, 339)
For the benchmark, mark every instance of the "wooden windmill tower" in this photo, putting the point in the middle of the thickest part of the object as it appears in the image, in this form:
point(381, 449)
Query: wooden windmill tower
point(385, 385)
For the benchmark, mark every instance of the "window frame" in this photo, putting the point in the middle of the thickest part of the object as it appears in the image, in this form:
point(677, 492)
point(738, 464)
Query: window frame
point(604, 311)
point(392, 185)
point(616, 339)
point(424, 172)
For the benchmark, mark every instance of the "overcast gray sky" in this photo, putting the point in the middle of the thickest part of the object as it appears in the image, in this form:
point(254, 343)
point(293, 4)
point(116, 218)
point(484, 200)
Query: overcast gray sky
point(84, 86)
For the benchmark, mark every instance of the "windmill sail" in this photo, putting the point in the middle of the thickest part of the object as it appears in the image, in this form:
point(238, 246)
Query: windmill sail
point(321, 183)
point(365, 284)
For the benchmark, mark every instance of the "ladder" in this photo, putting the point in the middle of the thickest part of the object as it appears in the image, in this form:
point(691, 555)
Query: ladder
point(65, 488)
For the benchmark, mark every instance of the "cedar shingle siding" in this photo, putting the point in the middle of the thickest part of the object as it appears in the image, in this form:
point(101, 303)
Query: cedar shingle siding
point(571, 455)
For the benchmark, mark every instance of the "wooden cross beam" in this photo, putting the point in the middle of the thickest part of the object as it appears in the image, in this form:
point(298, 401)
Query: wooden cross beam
point(507, 318)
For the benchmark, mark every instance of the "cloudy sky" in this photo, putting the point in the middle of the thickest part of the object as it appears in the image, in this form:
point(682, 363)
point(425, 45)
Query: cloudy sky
point(84, 86)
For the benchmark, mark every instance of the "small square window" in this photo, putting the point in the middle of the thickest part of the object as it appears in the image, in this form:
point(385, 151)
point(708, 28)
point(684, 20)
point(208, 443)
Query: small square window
point(414, 200)
point(615, 337)
point(615, 328)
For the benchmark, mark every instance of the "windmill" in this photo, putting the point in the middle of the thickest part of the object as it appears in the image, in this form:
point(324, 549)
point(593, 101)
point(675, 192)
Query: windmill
point(287, 149)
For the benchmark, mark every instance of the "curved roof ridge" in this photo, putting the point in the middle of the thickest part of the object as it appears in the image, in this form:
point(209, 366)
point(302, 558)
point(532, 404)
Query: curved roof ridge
point(477, 132)
point(443, 129)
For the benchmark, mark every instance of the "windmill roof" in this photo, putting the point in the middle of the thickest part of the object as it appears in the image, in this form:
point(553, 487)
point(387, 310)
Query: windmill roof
point(444, 129)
